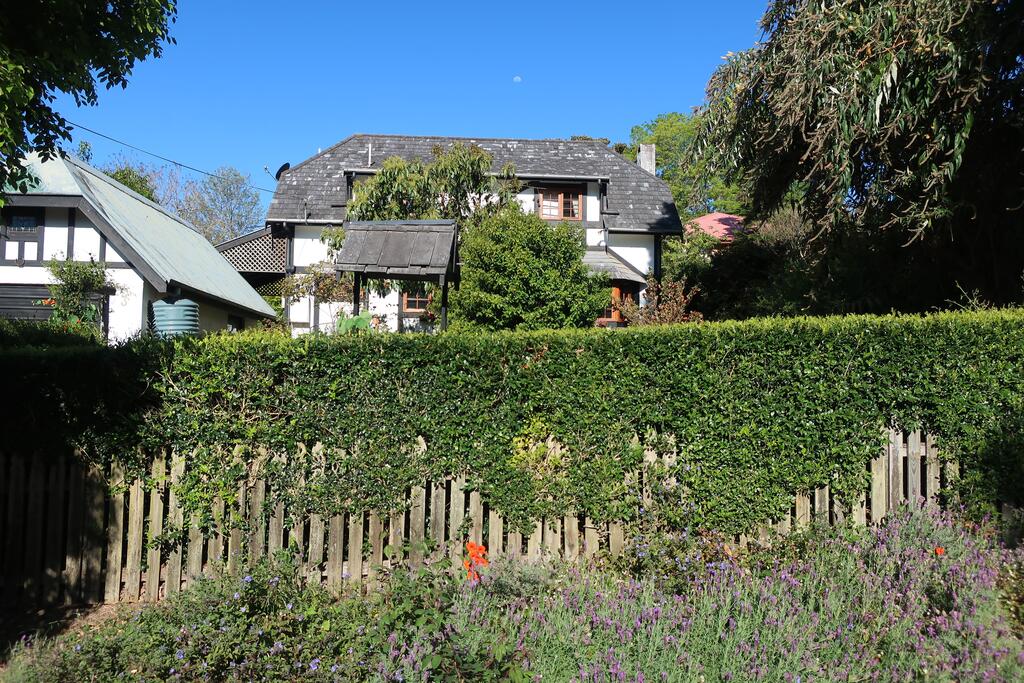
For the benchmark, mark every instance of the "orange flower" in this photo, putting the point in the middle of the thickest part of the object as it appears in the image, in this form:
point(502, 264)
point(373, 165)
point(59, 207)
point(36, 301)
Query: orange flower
point(939, 551)
point(477, 559)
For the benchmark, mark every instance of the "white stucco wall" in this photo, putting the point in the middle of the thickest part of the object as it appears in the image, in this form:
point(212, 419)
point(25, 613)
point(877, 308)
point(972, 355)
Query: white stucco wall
point(127, 305)
point(301, 313)
point(129, 314)
point(592, 203)
point(594, 237)
point(87, 240)
point(307, 248)
point(527, 200)
point(637, 250)
point(55, 235)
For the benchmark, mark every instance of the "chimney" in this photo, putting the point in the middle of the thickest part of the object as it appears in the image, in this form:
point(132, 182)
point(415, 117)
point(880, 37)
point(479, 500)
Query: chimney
point(645, 159)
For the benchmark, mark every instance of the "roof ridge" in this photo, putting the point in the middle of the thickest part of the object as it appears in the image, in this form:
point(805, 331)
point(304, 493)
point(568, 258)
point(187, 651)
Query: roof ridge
point(318, 154)
point(469, 137)
point(92, 170)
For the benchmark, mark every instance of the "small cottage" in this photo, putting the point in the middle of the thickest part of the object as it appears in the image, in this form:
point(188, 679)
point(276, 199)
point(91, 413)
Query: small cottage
point(73, 211)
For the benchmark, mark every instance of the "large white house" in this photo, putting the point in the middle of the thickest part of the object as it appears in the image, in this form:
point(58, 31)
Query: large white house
point(624, 207)
point(73, 211)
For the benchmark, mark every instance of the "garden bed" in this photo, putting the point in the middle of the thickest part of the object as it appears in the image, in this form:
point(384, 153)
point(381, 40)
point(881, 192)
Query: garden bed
point(917, 597)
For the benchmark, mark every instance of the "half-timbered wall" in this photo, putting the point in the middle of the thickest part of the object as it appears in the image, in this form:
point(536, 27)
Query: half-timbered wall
point(67, 231)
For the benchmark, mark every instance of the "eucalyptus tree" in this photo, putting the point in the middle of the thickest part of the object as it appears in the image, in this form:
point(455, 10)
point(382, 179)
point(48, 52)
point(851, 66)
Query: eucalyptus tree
point(902, 119)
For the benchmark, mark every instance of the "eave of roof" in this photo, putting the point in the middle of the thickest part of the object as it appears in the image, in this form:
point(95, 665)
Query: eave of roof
point(412, 249)
point(165, 250)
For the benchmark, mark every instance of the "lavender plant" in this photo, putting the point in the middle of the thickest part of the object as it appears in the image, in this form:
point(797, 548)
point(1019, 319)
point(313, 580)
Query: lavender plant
point(916, 598)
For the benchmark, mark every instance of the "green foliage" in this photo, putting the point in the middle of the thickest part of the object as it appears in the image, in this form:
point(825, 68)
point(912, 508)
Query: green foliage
point(457, 183)
point(135, 178)
point(665, 303)
point(688, 257)
point(520, 272)
point(886, 121)
point(355, 324)
point(221, 206)
point(694, 190)
point(756, 411)
point(44, 335)
point(692, 608)
point(67, 46)
point(782, 267)
point(268, 626)
point(255, 628)
point(75, 293)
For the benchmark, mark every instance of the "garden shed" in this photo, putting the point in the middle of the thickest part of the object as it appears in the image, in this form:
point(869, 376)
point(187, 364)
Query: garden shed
point(416, 250)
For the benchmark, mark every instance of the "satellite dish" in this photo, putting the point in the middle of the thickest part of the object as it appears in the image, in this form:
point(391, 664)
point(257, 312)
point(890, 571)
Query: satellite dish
point(284, 167)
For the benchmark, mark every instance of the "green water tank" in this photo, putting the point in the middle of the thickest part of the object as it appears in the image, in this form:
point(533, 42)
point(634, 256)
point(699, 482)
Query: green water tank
point(172, 317)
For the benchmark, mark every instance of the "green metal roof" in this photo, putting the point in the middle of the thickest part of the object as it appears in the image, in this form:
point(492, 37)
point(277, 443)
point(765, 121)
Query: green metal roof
point(172, 252)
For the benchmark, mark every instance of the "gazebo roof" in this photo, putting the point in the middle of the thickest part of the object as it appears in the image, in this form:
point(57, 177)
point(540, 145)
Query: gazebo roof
point(409, 250)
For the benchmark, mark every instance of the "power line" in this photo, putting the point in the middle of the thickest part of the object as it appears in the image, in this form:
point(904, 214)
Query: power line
point(162, 158)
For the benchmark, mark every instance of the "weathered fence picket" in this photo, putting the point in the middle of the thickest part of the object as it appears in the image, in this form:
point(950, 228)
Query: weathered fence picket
point(70, 533)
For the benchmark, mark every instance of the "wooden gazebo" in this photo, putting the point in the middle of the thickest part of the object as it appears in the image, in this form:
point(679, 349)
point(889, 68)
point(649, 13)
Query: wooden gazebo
point(421, 251)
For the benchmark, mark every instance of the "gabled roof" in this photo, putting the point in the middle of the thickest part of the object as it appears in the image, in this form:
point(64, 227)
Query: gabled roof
point(400, 249)
point(164, 249)
point(638, 201)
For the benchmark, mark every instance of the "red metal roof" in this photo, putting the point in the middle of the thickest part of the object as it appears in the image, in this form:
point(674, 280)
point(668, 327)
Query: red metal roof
point(723, 226)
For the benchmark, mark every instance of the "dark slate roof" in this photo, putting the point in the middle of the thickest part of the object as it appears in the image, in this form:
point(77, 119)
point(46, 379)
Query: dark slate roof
point(410, 249)
point(256, 252)
point(637, 200)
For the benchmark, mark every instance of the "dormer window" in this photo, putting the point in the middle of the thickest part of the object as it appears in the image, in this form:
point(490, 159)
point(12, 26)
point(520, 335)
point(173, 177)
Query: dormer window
point(560, 203)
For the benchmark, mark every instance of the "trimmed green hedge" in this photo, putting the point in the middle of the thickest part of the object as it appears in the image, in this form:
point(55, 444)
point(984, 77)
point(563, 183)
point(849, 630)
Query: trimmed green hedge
point(757, 409)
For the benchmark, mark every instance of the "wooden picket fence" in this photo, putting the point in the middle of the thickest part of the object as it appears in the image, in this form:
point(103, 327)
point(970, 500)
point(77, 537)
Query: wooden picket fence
point(67, 537)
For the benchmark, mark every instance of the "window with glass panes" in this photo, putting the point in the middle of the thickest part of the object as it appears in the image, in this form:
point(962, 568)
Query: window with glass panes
point(560, 203)
point(416, 300)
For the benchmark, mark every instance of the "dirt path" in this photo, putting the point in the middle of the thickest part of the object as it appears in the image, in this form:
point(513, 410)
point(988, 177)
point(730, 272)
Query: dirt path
point(18, 624)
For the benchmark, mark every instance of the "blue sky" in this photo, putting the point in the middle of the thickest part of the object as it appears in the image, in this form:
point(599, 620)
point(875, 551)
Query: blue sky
point(254, 84)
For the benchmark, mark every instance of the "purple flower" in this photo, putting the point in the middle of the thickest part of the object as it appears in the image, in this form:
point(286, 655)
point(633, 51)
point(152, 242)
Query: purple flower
point(180, 654)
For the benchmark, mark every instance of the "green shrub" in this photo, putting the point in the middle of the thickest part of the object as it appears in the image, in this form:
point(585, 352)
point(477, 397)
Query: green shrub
point(44, 334)
point(830, 604)
point(756, 410)
point(266, 625)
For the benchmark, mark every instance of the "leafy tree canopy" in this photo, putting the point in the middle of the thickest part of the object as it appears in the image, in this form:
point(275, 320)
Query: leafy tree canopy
point(221, 206)
point(894, 130)
point(887, 112)
point(518, 272)
point(457, 183)
point(522, 273)
point(69, 46)
point(695, 191)
point(134, 177)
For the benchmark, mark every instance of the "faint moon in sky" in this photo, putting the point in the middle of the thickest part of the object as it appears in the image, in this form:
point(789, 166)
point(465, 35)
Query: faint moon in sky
point(517, 79)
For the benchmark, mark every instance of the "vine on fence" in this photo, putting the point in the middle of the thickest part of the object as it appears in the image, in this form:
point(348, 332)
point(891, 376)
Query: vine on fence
point(543, 422)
